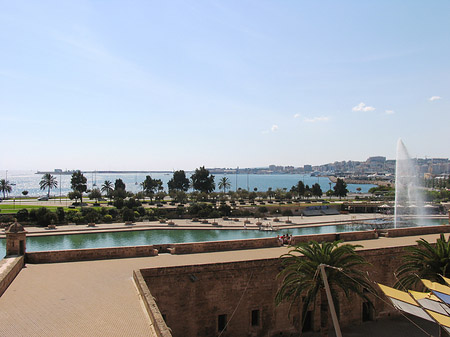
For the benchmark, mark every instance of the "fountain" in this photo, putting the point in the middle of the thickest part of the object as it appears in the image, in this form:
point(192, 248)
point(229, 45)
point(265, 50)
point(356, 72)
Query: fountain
point(408, 198)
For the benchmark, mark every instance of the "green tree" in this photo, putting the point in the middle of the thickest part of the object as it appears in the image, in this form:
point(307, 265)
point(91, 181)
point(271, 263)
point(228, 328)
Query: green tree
point(5, 187)
point(25, 193)
point(119, 185)
point(270, 193)
point(316, 190)
point(151, 186)
point(78, 183)
point(301, 281)
point(107, 188)
point(340, 188)
point(95, 194)
point(179, 182)
point(74, 195)
point(224, 183)
point(202, 181)
point(300, 188)
point(48, 181)
point(426, 260)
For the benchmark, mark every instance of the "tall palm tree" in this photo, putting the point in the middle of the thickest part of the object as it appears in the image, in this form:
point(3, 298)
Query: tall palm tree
point(224, 183)
point(107, 188)
point(5, 187)
point(301, 276)
point(48, 181)
point(427, 261)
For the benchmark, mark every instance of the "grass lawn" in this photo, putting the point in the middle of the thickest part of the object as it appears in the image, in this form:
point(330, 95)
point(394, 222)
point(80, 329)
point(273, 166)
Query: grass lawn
point(14, 209)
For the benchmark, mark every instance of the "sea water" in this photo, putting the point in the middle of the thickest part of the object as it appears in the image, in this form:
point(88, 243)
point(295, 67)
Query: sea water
point(29, 181)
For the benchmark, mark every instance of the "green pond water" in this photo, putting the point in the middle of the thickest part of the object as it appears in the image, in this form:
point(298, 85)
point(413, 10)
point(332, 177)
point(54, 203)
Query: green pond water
point(162, 236)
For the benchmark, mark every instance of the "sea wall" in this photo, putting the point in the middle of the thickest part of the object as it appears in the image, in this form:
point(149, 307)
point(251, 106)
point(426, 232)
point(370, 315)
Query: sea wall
point(89, 254)
point(9, 268)
point(243, 293)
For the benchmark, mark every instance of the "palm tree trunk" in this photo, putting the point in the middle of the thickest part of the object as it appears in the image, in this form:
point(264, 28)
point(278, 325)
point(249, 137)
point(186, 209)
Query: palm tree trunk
point(323, 313)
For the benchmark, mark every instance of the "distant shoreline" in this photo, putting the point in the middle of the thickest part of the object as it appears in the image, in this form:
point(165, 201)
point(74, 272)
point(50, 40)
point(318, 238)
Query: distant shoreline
point(333, 179)
point(107, 172)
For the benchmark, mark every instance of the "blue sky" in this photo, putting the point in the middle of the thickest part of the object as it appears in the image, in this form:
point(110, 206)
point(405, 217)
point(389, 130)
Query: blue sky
point(178, 84)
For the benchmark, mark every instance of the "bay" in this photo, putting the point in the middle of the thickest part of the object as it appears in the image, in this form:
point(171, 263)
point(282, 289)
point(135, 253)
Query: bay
point(29, 181)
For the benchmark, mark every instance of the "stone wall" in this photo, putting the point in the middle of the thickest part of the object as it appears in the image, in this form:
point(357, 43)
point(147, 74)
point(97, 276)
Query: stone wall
point(152, 309)
point(9, 268)
point(214, 246)
point(202, 293)
point(89, 254)
point(418, 230)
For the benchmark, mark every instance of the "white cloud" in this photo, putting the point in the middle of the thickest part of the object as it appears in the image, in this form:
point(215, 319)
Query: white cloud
point(389, 112)
point(316, 119)
point(434, 98)
point(274, 128)
point(363, 107)
point(296, 115)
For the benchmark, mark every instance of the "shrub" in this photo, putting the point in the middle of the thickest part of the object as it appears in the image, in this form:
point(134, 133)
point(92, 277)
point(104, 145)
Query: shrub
point(127, 214)
point(141, 211)
point(132, 203)
point(107, 218)
point(92, 215)
point(44, 217)
point(60, 214)
point(118, 203)
point(22, 215)
point(225, 210)
point(113, 212)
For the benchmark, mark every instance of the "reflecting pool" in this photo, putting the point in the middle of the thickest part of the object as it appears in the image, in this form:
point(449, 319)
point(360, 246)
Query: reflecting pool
point(164, 236)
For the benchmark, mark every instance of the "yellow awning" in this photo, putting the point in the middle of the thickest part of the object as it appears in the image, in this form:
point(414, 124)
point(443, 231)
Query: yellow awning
point(436, 286)
point(420, 295)
point(441, 319)
point(397, 294)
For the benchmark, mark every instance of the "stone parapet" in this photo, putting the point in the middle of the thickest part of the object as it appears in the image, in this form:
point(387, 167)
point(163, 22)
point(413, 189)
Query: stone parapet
point(152, 309)
point(9, 268)
point(395, 232)
point(90, 254)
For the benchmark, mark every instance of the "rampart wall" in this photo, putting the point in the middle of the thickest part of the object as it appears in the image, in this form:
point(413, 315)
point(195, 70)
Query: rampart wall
point(9, 268)
point(241, 291)
point(89, 254)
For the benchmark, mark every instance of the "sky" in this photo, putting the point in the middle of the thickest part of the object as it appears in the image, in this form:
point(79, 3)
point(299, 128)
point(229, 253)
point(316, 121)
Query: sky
point(168, 85)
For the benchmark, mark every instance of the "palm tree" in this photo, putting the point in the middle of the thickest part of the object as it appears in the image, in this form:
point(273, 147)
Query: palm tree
point(48, 181)
point(301, 277)
point(107, 188)
point(224, 183)
point(5, 187)
point(424, 261)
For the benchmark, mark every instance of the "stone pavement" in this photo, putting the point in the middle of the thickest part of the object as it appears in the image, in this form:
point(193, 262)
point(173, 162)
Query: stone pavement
point(99, 298)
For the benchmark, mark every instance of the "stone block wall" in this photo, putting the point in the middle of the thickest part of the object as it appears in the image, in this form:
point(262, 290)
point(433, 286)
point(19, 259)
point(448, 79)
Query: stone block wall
point(9, 268)
point(152, 309)
point(418, 230)
point(202, 293)
point(215, 246)
point(89, 254)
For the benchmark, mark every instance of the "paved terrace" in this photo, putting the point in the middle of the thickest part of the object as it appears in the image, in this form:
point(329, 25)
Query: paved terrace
point(99, 298)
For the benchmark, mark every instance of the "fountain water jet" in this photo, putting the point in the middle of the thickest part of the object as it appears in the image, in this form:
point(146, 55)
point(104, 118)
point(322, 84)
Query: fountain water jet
point(408, 198)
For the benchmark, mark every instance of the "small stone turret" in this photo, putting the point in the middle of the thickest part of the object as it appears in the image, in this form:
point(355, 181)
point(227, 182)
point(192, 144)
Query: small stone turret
point(16, 238)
